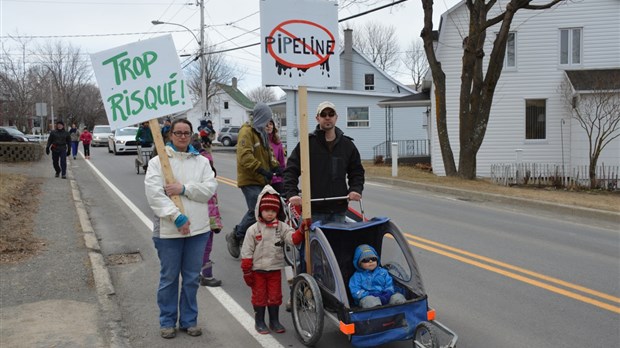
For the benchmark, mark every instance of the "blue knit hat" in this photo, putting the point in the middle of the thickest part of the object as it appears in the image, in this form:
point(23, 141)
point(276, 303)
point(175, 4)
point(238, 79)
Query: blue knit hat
point(367, 252)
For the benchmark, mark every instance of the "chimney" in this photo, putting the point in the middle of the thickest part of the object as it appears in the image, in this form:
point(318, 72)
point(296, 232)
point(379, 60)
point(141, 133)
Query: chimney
point(234, 83)
point(347, 59)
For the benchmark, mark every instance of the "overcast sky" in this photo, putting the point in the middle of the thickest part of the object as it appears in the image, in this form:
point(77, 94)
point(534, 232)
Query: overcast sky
point(96, 25)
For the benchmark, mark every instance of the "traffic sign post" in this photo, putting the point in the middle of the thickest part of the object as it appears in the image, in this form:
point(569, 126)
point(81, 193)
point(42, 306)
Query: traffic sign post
point(299, 40)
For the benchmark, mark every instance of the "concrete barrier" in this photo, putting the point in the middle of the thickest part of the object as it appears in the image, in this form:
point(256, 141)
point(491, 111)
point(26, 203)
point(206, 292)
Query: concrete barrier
point(20, 152)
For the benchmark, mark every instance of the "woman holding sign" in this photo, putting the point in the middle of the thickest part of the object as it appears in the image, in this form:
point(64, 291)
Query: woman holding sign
point(180, 237)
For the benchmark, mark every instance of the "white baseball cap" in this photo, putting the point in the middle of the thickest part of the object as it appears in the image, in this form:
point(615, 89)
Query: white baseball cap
point(325, 105)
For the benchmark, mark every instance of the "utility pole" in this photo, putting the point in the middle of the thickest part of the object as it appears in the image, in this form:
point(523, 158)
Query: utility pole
point(52, 103)
point(203, 67)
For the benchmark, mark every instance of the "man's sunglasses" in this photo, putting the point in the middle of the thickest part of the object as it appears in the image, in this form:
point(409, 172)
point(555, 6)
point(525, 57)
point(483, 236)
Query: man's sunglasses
point(370, 259)
point(330, 114)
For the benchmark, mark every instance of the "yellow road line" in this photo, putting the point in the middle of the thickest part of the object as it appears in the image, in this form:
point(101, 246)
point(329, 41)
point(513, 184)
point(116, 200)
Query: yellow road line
point(227, 181)
point(533, 282)
point(524, 279)
point(518, 269)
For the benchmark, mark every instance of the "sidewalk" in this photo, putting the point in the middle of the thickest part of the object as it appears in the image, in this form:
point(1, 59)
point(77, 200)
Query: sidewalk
point(58, 297)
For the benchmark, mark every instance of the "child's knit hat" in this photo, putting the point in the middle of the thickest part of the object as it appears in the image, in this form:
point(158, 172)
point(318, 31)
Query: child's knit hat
point(269, 201)
point(367, 252)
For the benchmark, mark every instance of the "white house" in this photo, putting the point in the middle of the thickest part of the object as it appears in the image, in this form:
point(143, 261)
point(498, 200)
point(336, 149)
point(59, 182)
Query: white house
point(528, 116)
point(363, 86)
point(229, 107)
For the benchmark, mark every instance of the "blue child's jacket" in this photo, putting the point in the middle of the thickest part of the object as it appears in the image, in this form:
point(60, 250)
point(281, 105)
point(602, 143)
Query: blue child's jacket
point(365, 282)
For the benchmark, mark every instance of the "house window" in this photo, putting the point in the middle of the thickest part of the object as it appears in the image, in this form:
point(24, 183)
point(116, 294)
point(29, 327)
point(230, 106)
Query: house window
point(535, 119)
point(227, 122)
point(510, 60)
point(357, 117)
point(369, 82)
point(570, 46)
point(225, 105)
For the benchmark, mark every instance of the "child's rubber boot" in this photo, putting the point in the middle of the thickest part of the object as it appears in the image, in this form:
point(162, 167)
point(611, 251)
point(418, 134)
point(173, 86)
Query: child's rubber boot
point(274, 321)
point(259, 320)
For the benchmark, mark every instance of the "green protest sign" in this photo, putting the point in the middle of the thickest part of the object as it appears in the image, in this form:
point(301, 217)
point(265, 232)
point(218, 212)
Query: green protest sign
point(141, 81)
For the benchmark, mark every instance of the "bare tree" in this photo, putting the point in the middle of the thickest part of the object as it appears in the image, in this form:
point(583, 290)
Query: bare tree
point(415, 61)
point(477, 86)
point(378, 42)
point(216, 71)
point(91, 106)
point(70, 72)
point(16, 87)
point(262, 94)
point(597, 110)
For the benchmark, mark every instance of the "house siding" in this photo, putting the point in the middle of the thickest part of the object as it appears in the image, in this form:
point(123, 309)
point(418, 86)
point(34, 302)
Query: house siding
point(537, 75)
point(236, 113)
point(407, 121)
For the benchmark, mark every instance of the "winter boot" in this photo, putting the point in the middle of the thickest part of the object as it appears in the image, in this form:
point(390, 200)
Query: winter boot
point(274, 322)
point(259, 320)
point(234, 247)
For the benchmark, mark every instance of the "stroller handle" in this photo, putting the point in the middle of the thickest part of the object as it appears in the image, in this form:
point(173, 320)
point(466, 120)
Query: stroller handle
point(340, 198)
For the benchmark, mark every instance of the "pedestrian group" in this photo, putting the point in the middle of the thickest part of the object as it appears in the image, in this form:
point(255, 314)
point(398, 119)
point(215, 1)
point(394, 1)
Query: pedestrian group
point(183, 237)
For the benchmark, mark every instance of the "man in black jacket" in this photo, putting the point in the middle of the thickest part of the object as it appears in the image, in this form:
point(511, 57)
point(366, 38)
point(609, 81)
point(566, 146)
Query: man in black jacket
point(334, 163)
point(59, 143)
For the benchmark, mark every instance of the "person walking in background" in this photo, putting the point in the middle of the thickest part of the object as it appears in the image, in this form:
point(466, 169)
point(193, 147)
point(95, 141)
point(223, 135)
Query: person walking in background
point(277, 182)
point(215, 221)
point(207, 134)
point(335, 168)
point(86, 137)
point(75, 140)
point(58, 143)
point(144, 135)
point(165, 130)
point(180, 238)
point(262, 259)
point(255, 168)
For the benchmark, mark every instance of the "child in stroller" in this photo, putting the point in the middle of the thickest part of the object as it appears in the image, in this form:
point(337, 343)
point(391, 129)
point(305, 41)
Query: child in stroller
point(371, 285)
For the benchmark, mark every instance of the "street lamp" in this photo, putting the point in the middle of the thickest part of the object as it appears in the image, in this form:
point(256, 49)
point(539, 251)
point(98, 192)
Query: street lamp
point(203, 86)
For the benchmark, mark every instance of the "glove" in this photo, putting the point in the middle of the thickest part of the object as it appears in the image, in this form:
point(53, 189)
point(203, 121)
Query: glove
point(384, 296)
point(268, 175)
point(277, 171)
point(248, 277)
point(47, 150)
point(68, 152)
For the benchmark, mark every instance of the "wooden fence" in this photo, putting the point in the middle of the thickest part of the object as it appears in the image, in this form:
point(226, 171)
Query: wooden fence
point(537, 174)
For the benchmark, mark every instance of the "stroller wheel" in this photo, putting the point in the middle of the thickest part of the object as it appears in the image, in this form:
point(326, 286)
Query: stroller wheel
point(307, 307)
point(425, 336)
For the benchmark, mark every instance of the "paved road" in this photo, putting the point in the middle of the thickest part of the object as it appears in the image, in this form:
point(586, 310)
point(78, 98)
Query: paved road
point(500, 276)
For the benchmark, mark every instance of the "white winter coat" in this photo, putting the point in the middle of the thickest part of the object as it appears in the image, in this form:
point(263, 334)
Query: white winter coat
point(192, 170)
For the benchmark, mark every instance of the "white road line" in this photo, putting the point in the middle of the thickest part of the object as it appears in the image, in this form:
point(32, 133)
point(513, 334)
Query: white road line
point(218, 293)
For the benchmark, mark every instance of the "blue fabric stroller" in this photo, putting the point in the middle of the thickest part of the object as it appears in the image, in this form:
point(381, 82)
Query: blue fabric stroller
point(324, 292)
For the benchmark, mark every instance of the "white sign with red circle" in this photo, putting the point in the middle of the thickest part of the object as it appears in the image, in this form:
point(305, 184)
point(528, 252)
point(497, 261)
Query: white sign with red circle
point(299, 43)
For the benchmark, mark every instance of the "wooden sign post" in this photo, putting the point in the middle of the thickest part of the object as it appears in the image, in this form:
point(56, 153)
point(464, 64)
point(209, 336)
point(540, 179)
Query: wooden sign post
point(166, 169)
point(306, 212)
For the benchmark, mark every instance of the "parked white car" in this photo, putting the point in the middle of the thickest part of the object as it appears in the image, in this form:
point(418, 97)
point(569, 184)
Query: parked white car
point(123, 140)
point(100, 135)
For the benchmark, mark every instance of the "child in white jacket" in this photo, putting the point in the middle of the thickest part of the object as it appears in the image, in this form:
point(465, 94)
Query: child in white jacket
point(262, 258)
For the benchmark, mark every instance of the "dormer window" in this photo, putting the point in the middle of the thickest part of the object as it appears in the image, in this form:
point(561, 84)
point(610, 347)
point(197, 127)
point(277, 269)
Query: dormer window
point(369, 82)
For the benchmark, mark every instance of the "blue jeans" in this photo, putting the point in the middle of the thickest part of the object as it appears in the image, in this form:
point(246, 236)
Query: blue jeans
point(74, 148)
point(251, 196)
point(179, 256)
